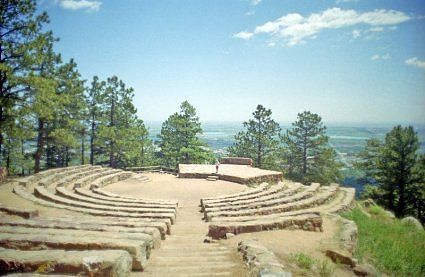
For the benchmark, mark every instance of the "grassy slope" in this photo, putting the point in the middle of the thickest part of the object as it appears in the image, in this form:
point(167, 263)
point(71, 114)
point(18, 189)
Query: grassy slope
point(392, 247)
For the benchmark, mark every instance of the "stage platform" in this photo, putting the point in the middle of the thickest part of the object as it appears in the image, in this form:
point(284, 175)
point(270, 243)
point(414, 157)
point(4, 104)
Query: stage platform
point(242, 174)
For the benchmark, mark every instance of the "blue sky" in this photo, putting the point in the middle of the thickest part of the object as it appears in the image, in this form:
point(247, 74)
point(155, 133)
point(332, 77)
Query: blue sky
point(347, 60)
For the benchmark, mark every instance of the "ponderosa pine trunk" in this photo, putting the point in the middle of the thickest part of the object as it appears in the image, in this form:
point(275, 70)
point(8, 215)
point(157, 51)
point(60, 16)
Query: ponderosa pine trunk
point(40, 145)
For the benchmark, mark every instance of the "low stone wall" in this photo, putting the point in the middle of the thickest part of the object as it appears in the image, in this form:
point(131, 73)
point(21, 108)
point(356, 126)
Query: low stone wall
point(272, 178)
point(260, 260)
point(236, 160)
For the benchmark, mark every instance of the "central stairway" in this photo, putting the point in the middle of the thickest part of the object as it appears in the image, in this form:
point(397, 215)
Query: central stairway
point(184, 252)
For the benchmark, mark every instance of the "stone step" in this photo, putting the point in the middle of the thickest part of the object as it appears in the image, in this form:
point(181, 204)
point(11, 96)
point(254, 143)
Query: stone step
point(139, 250)
point(210, 253)
point(114, 263)
point(212, 178)
point(196, 257)
point(179, 269)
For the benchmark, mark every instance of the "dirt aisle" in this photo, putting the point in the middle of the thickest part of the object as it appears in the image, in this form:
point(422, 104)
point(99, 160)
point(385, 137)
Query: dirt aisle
point(184, 253)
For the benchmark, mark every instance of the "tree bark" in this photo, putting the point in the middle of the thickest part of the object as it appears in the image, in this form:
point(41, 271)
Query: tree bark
point(40, 145)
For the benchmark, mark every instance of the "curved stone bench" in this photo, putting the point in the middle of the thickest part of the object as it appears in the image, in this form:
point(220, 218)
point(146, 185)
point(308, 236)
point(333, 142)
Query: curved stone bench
point(32, 179)
point(112, 218)
point(128, 198)
point(58, 223)
point(319, 198)
point(143, 201)
point(84, 181)
point(78, 176)
point(150, 241)
point(109, 179)
point(52, 178)
point(78, 197)
point(308, 222)
point(42, 192)
point(139, 250)
point(297, 192)
point(113, 263)
point(229, 197)
point(22, 212)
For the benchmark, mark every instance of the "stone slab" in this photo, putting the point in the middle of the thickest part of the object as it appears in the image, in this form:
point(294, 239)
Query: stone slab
point(139, 250)
point(310, 222)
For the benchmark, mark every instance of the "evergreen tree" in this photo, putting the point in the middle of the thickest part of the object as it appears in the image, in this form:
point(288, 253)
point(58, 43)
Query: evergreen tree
point(21, 39)
point(94, 102)
point(259, 140)
point(397, 171)
point(118, 130)
point(306, 151)
point(179, 139)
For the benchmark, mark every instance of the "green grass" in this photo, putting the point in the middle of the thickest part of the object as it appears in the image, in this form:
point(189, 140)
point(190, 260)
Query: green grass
point(394, 248)
point(303, 261)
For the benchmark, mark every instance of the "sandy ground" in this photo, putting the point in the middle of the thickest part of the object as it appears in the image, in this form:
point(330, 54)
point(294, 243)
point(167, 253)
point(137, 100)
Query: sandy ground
point(167, 186)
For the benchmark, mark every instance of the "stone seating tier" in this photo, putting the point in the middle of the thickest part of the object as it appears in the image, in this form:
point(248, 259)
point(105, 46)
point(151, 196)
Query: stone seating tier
point(113, 263)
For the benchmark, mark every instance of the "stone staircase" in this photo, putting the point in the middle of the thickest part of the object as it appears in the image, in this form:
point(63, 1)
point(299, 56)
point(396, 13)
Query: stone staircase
point(212, 178)
point(184, 252)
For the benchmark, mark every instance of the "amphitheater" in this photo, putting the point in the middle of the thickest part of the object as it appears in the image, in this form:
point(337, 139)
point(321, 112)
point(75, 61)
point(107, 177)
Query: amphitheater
point(98, 221)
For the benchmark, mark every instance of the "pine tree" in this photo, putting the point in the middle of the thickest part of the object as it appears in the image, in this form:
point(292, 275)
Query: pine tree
point(397, 171)
point(179, 139)
point(395, 166)
point(94, 104)
point(21, 39)
point(311, 160)
point(260, 139)
point(118, 119)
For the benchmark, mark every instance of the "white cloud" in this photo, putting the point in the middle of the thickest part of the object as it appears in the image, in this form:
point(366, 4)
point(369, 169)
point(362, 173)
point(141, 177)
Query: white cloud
point(415, 62)
point(250, 13)
point(380, 57)
point(356, 33)
point(294, 29)
point(255, 2)
point(80, 4)
point(243, 35)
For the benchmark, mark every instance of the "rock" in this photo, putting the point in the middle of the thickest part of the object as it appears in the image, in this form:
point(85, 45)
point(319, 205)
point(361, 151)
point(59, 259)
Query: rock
point(340, 256)
point(411, 221)
point(389, 214)
point(261, 261)
point(208, 240)
point(229, 235)
point(364, 270)
point(348, 235)
point(369, 202)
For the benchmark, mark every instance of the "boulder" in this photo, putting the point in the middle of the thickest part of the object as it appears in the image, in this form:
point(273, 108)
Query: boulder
point(364, 270)
point(229, 235)
point(340, 256)
point(411, 221)
point(389, 214)
point(369, 202)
